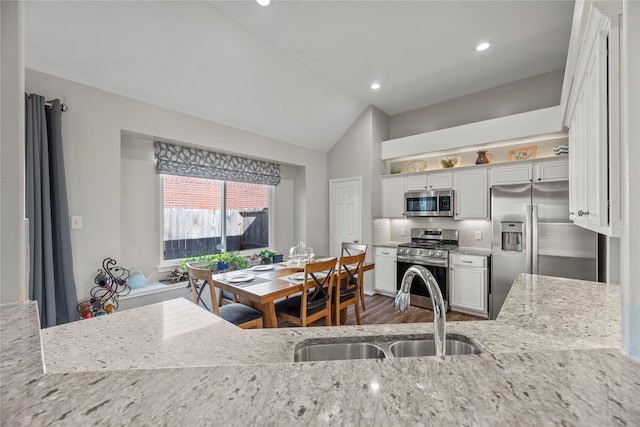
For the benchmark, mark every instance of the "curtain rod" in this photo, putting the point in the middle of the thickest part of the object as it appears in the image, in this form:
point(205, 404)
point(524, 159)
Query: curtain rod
point(63, 107)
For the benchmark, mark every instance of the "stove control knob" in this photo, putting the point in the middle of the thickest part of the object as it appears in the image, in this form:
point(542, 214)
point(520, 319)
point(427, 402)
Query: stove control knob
point(420, 251)
point(430, 253)
point(439, 254)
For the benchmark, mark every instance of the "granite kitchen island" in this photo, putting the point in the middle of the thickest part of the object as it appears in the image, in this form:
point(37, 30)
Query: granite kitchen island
point(552, 357)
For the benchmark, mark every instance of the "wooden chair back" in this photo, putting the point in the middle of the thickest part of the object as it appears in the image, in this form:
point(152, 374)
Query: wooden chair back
point(199, 279)
point(239, 314)
point(349, 248)
point(317, 291)
point(349, 286)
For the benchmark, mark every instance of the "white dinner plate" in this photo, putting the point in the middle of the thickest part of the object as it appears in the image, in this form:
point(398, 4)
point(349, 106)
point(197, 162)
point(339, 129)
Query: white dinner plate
point(240, 278)
point(262, 267)
point(300, 276)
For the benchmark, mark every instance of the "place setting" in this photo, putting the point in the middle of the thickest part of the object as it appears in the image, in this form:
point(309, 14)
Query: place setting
point(299, 277)
point(264, 268)
point(243, 279)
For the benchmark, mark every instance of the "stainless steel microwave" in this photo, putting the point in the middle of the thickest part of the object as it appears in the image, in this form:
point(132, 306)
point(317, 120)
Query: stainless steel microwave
point(428, 203)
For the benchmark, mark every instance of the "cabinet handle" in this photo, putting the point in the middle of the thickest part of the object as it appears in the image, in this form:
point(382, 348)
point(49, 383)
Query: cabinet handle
point(385, 253)
point(583, 213)
point(467, 262)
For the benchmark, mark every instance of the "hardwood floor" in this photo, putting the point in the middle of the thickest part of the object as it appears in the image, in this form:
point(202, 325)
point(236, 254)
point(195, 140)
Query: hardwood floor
point(380, 311)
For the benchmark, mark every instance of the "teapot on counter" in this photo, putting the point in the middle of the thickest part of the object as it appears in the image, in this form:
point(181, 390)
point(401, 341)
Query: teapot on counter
point(482, 157)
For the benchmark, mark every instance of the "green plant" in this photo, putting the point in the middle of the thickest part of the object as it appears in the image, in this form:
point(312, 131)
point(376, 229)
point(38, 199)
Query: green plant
point(266, 256)
point(234, 261)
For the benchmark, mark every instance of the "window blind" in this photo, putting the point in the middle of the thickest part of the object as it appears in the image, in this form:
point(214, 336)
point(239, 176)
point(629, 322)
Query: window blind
point(186, 161)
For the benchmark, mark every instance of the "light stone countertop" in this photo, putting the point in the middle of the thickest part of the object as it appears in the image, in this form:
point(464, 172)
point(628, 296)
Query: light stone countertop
point(472, 251)
point(388, 244)
point(551, 357)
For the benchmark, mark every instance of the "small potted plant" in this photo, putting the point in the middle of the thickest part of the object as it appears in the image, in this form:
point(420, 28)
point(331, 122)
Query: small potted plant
point(219, 261)
point(266, 256)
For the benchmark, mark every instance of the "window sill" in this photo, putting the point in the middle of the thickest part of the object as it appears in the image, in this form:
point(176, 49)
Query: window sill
point(154, 288)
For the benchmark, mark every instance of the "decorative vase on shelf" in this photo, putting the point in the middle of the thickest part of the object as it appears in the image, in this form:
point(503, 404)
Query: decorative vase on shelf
point(483, 157)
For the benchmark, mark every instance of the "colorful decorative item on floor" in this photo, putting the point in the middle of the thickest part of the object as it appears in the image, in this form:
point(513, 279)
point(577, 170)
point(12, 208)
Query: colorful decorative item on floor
point(111, 282)
point(525, 153)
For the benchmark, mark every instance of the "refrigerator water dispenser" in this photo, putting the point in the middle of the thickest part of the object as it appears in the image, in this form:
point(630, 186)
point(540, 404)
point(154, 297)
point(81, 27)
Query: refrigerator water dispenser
point(511, 236)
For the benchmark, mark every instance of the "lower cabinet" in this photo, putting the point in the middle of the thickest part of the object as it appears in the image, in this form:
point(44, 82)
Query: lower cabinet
point(469, 287)
point(385, 271)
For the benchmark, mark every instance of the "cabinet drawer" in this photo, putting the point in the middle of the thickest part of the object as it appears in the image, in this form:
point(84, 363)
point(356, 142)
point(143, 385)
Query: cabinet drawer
point(386, 251)
point(469, 260)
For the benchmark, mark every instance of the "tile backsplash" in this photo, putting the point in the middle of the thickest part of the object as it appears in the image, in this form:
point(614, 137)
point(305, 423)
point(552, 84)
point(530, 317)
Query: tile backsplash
point(399, 230)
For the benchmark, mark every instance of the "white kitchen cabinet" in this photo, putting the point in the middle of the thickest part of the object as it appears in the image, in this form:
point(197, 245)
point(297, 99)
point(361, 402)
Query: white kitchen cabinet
point(512, 174)
point(592, 116)
point(429, 181)
point(393, 197)
point(385, 271)
point(552, 170)
point(469, 287)
point(471, 194)
point(415, 182)
point(440, 181)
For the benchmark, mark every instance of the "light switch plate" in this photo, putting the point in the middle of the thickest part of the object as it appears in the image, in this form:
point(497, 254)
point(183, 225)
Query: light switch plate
point(76, 222)
point(403, 232)
point(478, 235)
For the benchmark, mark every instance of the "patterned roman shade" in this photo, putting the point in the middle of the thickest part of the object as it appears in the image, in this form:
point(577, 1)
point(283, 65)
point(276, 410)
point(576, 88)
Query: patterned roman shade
point(185, 161)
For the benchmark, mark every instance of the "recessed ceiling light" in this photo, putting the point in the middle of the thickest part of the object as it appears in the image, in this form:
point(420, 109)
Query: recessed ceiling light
point(263, 2)
point(483, 46)
point(375, 86)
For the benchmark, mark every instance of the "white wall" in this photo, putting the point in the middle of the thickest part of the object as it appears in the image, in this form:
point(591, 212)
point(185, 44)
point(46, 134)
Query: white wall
point(353, 155)
point(92, 131)
point(380, 132)
point(140, 217)
point(521, 96)
point(13, 273)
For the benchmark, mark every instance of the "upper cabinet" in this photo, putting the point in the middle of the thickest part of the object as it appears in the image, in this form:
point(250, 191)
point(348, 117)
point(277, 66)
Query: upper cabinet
point(511, 174)
point(552, 170)
point(429, 181)
point(539, 171)
point(592, 115)
point(393, 197)
point(471, 194)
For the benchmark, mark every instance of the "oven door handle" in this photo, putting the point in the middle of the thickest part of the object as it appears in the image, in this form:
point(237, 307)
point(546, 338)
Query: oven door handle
point(434, 263)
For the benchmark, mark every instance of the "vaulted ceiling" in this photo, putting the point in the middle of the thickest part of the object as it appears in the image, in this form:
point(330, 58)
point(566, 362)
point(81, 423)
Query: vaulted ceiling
point(298, 71)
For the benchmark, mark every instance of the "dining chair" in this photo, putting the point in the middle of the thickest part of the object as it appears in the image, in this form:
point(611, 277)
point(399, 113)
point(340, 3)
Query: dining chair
point(348, 287)
point(239, 314)
point(349, 249)
point(314, 302)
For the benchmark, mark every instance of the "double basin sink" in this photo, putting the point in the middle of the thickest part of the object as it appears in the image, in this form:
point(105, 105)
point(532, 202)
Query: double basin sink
point(380, 347)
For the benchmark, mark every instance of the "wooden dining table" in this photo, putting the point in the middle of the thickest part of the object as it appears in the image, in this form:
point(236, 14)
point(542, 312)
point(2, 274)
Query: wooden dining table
point(268, 286)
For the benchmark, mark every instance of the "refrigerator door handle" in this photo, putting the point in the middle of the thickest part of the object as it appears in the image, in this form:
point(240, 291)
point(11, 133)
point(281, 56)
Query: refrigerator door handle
point(534, 239)
point(527, 238)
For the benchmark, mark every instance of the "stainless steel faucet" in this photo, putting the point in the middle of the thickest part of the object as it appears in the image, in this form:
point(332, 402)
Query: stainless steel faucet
point(402, 302)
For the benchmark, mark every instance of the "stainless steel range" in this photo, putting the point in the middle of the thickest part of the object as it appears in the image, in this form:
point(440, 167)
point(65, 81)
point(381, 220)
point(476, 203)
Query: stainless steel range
point(430, 248)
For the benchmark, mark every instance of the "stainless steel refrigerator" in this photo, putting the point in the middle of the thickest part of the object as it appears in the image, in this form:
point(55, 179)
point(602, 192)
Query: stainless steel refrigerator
point(531, 233)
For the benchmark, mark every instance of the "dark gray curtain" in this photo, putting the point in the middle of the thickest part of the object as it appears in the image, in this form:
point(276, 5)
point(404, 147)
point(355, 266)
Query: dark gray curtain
point(51, 281)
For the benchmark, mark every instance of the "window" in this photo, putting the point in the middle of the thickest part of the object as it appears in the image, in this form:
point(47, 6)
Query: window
point(204, 216)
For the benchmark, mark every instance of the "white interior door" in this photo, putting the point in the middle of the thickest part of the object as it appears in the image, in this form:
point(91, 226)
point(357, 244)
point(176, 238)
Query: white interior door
point(345, 212)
